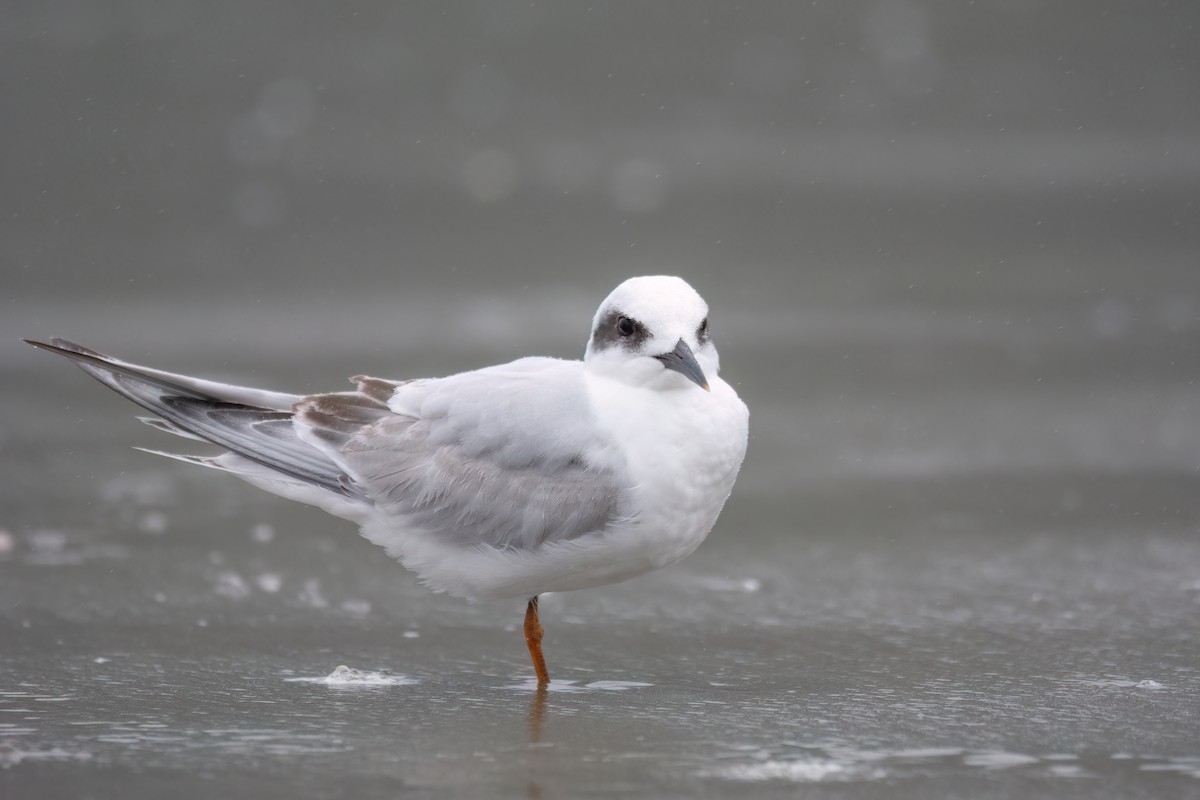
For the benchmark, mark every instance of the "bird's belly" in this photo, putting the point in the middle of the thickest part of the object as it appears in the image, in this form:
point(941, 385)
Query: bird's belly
point(490, 573)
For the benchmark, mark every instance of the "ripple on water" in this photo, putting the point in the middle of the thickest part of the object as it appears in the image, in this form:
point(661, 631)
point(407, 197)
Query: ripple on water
point(11, 755)
point(349, 676)
point(797, 771)
point(999, 760)
point(1186, 765)
point(1115, 682)
point(810, 764)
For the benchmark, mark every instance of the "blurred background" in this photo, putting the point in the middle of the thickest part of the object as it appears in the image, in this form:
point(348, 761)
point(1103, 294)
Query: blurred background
point(952, 252)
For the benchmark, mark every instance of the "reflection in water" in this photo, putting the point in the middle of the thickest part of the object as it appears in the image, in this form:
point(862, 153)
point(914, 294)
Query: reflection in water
point(536, 717)
point(537, 720)
point(537, 714)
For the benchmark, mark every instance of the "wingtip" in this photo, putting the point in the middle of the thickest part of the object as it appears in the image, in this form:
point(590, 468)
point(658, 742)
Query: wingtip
point(55, 345)
point(65, 347)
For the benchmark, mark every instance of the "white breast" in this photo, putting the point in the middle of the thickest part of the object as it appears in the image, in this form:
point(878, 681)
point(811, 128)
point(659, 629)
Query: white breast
point(683, 449)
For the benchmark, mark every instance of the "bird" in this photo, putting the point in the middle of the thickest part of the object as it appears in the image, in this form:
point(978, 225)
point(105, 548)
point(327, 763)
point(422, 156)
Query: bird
point(511, 481)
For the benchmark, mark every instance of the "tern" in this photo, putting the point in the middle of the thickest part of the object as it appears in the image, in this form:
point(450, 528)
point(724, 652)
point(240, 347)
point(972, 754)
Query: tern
point(511, 481)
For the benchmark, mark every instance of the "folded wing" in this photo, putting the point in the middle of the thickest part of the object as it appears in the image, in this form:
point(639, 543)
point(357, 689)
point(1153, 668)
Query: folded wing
point(502, 457)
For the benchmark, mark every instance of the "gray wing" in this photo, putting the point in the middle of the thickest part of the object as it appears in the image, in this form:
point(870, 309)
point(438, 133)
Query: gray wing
point(504, 456)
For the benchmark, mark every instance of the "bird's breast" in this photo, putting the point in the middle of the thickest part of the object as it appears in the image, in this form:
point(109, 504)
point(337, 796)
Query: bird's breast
point(682, 451)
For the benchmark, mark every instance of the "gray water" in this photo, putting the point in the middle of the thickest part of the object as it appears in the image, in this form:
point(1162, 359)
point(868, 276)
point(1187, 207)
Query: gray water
point(953, 257)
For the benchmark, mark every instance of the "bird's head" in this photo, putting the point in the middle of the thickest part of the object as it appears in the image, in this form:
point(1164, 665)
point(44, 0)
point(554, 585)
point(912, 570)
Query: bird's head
point(653, 332)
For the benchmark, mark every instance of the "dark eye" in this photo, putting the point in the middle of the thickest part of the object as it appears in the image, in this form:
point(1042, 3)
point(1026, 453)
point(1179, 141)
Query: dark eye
point(626, 326)
point(702, 331)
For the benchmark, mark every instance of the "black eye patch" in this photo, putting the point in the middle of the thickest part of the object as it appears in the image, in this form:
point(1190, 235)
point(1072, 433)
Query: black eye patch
point(616, 329)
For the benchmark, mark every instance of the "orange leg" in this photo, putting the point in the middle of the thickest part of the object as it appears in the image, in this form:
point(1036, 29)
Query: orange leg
point(533, 638)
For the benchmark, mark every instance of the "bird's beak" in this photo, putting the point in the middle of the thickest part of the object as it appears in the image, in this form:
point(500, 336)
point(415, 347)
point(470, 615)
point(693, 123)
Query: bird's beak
point(682, 361)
